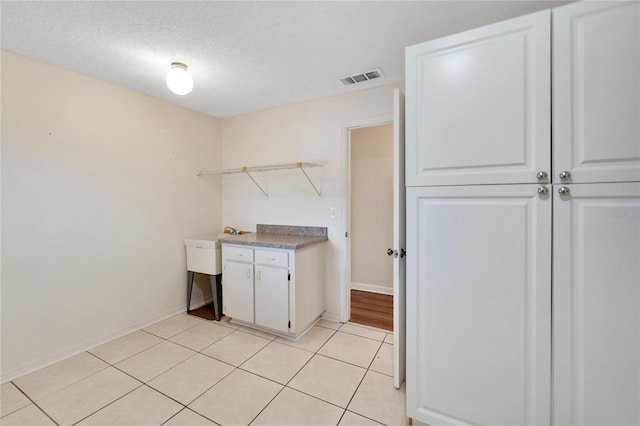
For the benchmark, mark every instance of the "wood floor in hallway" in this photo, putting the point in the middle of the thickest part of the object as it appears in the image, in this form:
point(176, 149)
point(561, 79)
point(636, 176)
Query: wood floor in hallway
point(372, 309)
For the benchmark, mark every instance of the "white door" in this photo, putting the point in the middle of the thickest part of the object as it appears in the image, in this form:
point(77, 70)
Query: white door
point(596, 304)
point(237, 290)
point(272, 297)
point(479, 305)
point(596, 91)
point(478, 105)
point(399, 233)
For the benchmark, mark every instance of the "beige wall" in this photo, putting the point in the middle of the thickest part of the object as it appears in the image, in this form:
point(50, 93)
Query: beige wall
point(314, 131)
point(372, 208)
point(98, 191)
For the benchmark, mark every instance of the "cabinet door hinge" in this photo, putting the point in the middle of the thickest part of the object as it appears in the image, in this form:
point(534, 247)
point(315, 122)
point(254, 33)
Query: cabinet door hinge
point(289, 324)
point(288, 277)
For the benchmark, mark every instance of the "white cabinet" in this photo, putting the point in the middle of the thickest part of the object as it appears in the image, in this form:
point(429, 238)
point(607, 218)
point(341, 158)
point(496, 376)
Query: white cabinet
point(596, 305)
point(596, 98)
point(478, 105)
point(478, 305)
point(272, 289)
point(272, 297)
point(237, 284)
point(479, 256)
point(278, 290)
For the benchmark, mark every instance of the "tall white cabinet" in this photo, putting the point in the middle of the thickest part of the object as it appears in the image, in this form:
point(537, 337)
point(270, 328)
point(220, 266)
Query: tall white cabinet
point(596, 240)
point(523, 280)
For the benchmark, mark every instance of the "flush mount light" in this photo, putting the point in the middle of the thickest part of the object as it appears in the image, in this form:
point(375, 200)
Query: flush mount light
point(178, 79)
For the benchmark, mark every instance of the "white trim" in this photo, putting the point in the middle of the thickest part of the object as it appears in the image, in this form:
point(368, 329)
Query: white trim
point(200, 302)
point(345, 308)
point(50, 359)
point(372, 288)
point(329, 316)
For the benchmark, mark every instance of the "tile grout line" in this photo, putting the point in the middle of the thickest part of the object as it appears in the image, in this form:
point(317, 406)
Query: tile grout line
point(234, 368)
point(33, 402)
point(188, 409)
point(289, 381)
point(102, 408)
point(362, 380)
point(316, 352)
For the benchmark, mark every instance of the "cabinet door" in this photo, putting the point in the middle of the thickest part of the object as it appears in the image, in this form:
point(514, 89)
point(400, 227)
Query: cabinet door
point(237, 290)
point(596, 305)
point(478, 105)
point(479, 305)
point(596, 91)
point(272, 298)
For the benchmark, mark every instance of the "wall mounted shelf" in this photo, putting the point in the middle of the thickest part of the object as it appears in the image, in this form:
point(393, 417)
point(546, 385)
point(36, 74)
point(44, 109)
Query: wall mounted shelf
point(249, 170)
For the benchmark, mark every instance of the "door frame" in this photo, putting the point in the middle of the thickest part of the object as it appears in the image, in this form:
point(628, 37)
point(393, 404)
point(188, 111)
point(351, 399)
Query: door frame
point(345, 309)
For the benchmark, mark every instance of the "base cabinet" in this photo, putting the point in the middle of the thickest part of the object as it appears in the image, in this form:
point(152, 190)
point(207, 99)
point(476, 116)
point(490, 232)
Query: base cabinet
point(280, 291)
point(235, 296)
point(272, 298)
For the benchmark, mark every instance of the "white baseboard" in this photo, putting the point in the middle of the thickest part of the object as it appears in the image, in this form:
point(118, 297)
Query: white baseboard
point(50, 359)
point(195, 304)
point(372, 288)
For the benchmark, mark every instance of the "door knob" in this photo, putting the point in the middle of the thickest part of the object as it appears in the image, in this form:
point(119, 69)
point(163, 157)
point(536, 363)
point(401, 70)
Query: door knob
point(565, 175)
point(390, 252)
point(563, 190)
point(402, 253)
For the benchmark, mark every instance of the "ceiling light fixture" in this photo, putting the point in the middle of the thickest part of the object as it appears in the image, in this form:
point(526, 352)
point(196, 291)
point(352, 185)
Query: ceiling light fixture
point(178, 79)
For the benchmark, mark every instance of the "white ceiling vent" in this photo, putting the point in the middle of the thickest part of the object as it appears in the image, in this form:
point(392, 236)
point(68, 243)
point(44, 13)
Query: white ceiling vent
point(362, 77)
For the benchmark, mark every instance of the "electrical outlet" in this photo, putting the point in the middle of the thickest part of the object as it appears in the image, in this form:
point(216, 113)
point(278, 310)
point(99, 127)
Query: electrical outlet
point(334, 213)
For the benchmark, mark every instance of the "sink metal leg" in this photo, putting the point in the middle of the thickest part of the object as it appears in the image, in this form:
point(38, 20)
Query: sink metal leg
point(216, 293)
point(189, 289)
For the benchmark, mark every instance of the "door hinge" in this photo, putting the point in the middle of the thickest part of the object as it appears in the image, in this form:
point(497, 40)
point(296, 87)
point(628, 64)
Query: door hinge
point(346, 235)
point(289, 324)
point(288, 277)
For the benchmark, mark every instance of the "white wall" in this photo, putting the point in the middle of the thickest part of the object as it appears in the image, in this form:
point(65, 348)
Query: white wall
point(371, 170)
point(313, 131)
point(98, 191)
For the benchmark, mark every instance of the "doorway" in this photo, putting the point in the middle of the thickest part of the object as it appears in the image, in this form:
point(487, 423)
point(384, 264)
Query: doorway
point(370, 199)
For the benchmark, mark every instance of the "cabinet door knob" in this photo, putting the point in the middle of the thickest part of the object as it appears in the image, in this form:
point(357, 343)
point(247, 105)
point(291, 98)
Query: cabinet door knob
point(390, 252)
point(541, 175)
point(565, 175)
point(563, 190)
point(542, 190)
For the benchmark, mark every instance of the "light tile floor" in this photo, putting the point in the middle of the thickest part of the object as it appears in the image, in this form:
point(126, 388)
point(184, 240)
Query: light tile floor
point(186, 371)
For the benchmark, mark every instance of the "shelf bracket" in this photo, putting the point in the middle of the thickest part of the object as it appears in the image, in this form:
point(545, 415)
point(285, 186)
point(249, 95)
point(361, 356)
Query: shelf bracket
point(244, 169)
point(300, 166)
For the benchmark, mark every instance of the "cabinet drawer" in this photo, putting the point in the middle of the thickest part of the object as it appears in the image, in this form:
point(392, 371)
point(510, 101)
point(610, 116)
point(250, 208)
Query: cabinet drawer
point(237, 253)
point(274, 258)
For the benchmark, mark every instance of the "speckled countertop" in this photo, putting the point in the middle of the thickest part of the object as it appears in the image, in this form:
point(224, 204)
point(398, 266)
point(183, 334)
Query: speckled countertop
point(280, 236)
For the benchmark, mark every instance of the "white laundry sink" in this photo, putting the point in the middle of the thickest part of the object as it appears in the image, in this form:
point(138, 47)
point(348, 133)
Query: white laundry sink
point(204, 253)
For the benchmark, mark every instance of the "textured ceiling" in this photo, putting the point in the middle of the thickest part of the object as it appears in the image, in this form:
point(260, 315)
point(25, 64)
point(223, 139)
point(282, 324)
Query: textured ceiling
point(243, 56)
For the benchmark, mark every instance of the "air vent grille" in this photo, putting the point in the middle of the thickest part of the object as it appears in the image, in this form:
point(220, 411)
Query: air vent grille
point(362, 77)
